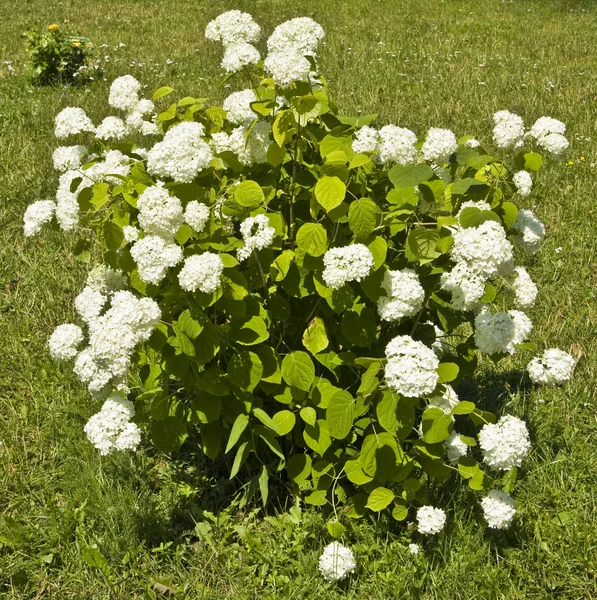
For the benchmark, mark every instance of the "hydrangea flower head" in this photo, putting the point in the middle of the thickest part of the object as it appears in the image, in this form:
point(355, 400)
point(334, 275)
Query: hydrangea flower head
point(508, 133)
point(439, 145)
point(302, 34)
point(124, 93)
point(37, 214)
point(404, 295)
point(238, 107)
point(64, 341)
point(498, 509)
point(201, 272)
point(233, 27)
point(397, 145)
point(504, 444)
point(159, 212)
point(430, 520)
point(72, 121)
point(336, 562)
point(554, 367)
point(349, 263)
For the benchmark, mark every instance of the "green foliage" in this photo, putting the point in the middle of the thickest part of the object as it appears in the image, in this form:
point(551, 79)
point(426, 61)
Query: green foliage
point(56, 57)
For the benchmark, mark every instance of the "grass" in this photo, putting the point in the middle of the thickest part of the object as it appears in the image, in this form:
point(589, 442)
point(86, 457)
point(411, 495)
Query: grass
point(446, 63)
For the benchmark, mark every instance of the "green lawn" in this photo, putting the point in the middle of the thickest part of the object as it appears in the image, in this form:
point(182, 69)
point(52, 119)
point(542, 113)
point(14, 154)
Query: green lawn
point(445, 63)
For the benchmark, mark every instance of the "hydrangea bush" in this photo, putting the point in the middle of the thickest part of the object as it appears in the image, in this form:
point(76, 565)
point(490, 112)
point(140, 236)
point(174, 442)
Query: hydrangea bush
point(299, 291)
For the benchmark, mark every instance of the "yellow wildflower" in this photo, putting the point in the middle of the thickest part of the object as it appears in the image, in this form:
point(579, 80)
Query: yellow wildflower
point(53, 26)
point(76, 44)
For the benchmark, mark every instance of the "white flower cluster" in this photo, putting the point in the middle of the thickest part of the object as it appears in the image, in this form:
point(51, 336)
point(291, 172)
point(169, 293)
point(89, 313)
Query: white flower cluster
point(508, 133)
point(130, 233)
point(524, 288)
point(237, 31)
point(154, 255)
point(102, 283)
point(554, 367)
point(201, 272)
point(142, 119)
point(196, 214)
point(411, 367)
point(366, 139)
point(90, 303)
point(455, 447)
point(523, 182)
point(124, 93)
point(336, 562)
point(111, 428)
point(531, 231)
point(113, 337)
point(106, 280)
point(181, 155)
point(446, 401)
point(68, 157)
point(37, 214)
point(413, 548)
point(504, 444)
point(397, 145)
point(301, 34)
point(72, 121)
point(500, 332)
point(238, 107)
point(549, 134)
point(430, 520)
point(404, 295)
point(498, 509)
point(287, 67)
point(485, 249)
point(439, 145)
point(465, 285)
point(257, 234)
point(249, 151)
point(111, 128)
point(64, 341)
point(159, 212)
point(350, 263)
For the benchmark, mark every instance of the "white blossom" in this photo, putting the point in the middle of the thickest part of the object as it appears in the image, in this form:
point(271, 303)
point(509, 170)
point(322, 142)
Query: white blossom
point(404, 295)
point(201, 272)
point(545, 125)
point(111, 128)
point(524, 288)
point(523, 182)
point(239, 55)
point(106, 280)
point(90, 303)
point(500, 332)
point(233, 27)
point(554, 367)
point(504, 444)
point(196, 214)
point(555, 143)
point(181, 155)
point(430, 520)
point(72, 121)
point(445, 401)
point(411, 367)
point(131, 234)
point(301, 34)
point(159, 212)
point(249, 151)
point(366, 139)
point(472, 143)
point(238, 107)
point(124, 93)
point(397, 145)
point(485, 249)
point(455, 447)
point(257, 234)
point(349, 263)
point(64, 341)
point(286, 67)
point(498, 509)
point(466, 286)
point(413, 548)
point(439, 145)
point(154, 256)
point(508, 133)
point(531, 231)
point(68, 157)
point(37, 214)
point(336, 562)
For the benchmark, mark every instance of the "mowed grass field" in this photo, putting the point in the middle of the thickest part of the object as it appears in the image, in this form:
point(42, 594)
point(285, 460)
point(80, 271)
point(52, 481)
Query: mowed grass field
point(444, 63)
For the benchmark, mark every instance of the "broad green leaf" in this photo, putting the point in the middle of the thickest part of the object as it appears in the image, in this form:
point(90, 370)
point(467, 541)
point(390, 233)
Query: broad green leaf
point(205, 408)
point(239, 460)
point(298, 370)
point(380, 455)
point(317, 437)
point(509, 213)
point(315, 338)
point(214, 381)
point(312, 238)
point(299, 467)
point(379, 499)
point(462, 186)
point(437, 426)
point(421, 244)
point(250, 332)
point(330, 192)
point(447, 372)
point(359, 329)
point(379, 249)
point(400, 512)
point(411, 175)
point(363, 217)
point(263, 484)
point(169, 434)
point(336, 529)
point(239, 425)
point(308, 415)
point(190, 326)
point(249, 193)
point(264, 418)
point(340, 414)
point(532, 161)
point(284, 421)
point(464, 408)
point(113, 235)
point(161, 92)
point(245, 370)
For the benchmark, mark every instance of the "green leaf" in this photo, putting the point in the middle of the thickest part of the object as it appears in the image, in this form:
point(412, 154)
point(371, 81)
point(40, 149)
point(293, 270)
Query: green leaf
point(94, 558)
point(113, 235)
point(249, 193)
point(395, 414)
point(263, 484)
point(309, 415)
point(245, 370)
point(188, 325)
point(509, 213)
point(241, 456)
point(509, 480)
point(169, 434)
point(264, 418)
point(283, 127)
point(380, 455)
point(379, 499)
point(284, 421)
point(379, 249)
point(359, 329)
point(317, 437)
point(315, 338)
point(211, 438)
point(184, 342)
point(312, 238)
point(250, 332)
point(532, 161)
point(400, 512)
point(340, 414)
point(299, 467)
point(462, 186)
point(359, 160)
point(363, 217)
point(239, 425)
point(330, 192)
point(447, 372)
point(464, 408)
point(298, 370)
point(336, 529)
point(421, 244)
point(82, 251)
point(214, 381)
point(205, 408)
point(161, 92)
point(437, 426)
point(411, 175)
